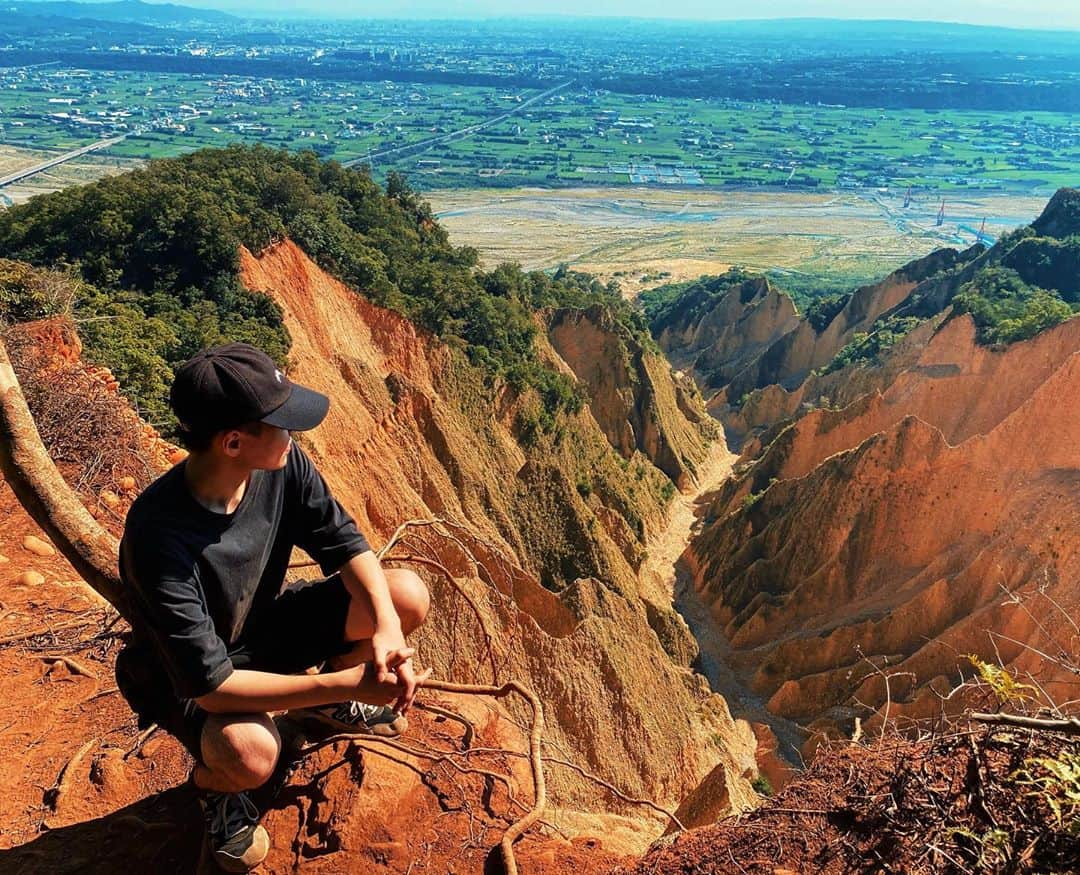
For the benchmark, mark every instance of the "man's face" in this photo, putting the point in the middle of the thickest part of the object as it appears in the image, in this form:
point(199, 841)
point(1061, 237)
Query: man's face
point(259, 446)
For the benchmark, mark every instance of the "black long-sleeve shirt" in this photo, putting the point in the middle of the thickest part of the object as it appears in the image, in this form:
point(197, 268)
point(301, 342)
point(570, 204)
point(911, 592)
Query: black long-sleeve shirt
point(196, 581)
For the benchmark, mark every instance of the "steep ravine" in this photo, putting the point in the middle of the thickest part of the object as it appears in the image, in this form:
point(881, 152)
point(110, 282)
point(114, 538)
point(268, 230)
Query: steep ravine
point(407, 437)
point(666, 577)
point(897, 514)
point(609, 658)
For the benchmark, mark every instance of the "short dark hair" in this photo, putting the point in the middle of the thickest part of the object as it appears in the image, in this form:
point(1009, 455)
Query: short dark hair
point(199, 441)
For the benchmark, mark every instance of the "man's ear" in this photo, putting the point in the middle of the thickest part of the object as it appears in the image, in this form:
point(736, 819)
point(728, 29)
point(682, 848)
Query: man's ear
point(230, 442)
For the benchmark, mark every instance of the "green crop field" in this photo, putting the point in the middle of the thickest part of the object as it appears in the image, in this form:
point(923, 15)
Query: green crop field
point(446, 136)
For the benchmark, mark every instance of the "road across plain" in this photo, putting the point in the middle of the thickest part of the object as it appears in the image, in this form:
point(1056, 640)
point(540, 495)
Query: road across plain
point(59, 159)
point(423, 145)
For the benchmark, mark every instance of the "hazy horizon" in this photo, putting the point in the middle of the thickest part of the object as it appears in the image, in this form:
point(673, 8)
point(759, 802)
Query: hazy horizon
point(1032, 15)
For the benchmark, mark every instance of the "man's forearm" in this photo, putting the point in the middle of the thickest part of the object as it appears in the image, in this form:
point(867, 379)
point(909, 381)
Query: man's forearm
point(246, 690)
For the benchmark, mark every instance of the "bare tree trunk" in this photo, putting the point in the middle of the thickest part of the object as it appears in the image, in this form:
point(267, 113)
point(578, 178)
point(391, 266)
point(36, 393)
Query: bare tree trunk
point(46, 496)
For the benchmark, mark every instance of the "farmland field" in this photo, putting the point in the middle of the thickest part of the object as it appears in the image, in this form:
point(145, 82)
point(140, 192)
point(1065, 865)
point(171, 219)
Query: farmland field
point(445, 136)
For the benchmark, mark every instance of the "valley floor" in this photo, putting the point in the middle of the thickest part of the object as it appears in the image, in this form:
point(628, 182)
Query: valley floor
point(664, 577)
point(644, 237)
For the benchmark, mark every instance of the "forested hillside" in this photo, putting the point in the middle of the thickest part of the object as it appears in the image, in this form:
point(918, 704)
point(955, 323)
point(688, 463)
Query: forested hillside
point(156, 252)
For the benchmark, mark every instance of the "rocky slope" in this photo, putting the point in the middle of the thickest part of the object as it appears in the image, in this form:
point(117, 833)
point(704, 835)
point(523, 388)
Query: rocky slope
point(928, 511)
point(749, 337)
point(546, 591)
point(633, 395)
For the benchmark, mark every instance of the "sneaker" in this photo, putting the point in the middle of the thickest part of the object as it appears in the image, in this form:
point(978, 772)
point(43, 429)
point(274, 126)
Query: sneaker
point(358, 717)
point(234, 835)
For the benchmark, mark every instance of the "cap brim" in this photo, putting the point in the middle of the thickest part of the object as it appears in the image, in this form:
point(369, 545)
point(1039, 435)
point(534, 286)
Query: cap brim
point(303, 409)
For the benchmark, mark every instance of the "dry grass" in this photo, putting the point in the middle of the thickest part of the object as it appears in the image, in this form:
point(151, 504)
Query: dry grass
point(88, 428)
point(961, 802)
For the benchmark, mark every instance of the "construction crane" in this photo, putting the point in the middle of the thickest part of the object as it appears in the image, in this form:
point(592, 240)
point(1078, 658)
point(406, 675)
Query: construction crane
point(941, 215)
point(980, 236)
point(907, 198)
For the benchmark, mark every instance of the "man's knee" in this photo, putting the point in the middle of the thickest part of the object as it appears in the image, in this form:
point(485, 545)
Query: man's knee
point(411, 598)
point(244, 748)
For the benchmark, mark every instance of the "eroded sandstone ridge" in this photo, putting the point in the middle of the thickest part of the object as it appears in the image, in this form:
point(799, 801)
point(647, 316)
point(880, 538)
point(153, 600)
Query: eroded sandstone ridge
point(407, 437)
point(894, 513)
point(539, 543)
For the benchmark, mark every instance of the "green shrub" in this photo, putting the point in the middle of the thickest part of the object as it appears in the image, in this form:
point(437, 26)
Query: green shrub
point(822, 311)
point(762, 786)
point(686, 301)
point(1006, 309)
point(868, 346)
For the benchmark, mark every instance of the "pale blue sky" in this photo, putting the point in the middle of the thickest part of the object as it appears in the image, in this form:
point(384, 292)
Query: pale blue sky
point(1049, 14)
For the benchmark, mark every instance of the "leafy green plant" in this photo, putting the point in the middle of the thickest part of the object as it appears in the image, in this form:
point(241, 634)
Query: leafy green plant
point(868, 346)
point(751, 499)
point(1001, 682)
point(993, 845)
point(762, 786)
point(1006, 308)
point(1055, 780)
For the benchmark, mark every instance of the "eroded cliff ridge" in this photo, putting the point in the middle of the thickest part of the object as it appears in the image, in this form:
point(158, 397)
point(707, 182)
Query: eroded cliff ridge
point(409, 437)
point(530, 414)
point(912, 500)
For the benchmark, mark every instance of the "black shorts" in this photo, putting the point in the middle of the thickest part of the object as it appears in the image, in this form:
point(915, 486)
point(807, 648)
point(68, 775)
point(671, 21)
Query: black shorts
point(304, 628)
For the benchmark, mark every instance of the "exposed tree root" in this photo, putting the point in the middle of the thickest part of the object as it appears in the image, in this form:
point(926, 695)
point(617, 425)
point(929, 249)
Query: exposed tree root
point(63, 780)
point(518, 828)
point(47, 498)
point(144, 737)
point(73, 665)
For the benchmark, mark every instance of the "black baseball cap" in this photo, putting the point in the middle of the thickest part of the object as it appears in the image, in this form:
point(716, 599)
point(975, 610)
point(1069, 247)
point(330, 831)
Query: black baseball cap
point(228, 385)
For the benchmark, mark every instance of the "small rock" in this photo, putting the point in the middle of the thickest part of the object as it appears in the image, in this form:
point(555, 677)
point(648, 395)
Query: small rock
point(108, 771)
point(30, 578)
point(126, 484)
point(3, 559)
point(38, 547)
point(109, 498)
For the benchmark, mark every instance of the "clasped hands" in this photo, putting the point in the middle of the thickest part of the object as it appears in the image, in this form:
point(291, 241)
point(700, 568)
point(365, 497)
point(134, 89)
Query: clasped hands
point(390, 677)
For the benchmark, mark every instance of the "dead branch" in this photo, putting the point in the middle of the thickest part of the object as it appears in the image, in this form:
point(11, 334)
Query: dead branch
point(74, 666)
point(616, 792)
point(100, 694)
point(144, 737)
point(37, 633)
point(47, 498)
point(1068, 726)
point(585, 773)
